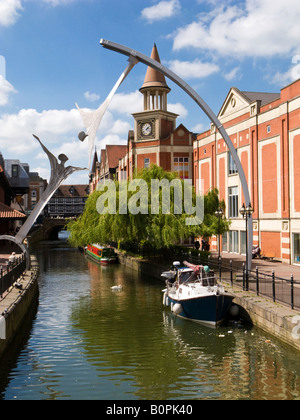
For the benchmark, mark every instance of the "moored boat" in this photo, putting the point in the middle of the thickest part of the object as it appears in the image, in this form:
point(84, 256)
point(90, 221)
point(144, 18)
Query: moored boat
point(103, 255)
point(193, 293)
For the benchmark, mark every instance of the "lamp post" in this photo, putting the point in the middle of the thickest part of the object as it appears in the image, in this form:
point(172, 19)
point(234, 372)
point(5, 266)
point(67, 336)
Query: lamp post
point(247, 212)
point(219, 214)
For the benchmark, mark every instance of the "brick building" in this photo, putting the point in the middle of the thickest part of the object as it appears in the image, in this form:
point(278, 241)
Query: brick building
point(107, 166)
point(156, 139)
point(8, 215)
point(67, 201)
point(265, 129)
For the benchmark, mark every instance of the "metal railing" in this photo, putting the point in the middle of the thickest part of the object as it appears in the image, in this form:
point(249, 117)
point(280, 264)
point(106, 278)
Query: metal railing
point(283, 290)
point(11, 273)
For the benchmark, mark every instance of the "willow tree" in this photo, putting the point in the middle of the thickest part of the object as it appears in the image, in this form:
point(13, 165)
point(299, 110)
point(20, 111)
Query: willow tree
point(156, 206)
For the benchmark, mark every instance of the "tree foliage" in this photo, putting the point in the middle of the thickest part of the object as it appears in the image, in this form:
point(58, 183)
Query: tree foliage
point(158, 230)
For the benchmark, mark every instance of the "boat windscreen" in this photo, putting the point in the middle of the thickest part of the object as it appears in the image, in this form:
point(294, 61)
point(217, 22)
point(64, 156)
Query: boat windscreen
point(187, 276)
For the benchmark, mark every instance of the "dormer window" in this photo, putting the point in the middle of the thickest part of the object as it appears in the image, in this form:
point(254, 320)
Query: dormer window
point(14, 171)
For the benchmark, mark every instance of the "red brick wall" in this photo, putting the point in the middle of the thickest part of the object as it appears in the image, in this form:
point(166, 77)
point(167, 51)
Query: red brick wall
point(244, 162)
point(271, 243)
point(205, 177)
point(297, 172)
point(269, 178)
point(222, 176)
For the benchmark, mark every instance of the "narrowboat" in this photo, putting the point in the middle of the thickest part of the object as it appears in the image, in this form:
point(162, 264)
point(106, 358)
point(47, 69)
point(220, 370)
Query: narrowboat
point(102, 255)
point(193, 293)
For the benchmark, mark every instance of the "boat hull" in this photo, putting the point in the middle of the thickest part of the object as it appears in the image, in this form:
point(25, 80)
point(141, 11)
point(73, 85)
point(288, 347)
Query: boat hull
point(103, 260)
point(209, 310)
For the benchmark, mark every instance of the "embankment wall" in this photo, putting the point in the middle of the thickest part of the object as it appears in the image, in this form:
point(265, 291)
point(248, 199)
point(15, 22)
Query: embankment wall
point(274, 318)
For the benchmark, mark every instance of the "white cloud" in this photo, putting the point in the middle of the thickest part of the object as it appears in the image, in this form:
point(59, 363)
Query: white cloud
point(199, 128)
point(179, 109)
point(58, 130)
point(6, 89)
point(17, 129)
point(193, 70)
point(91, 97)
point(256, 28)
point(9, 11)
point(2, 66)
point(127, 103)
point(162, 10)
point(233, 74)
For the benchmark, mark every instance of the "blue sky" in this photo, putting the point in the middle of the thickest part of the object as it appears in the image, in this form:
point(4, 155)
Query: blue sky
point(50, 58)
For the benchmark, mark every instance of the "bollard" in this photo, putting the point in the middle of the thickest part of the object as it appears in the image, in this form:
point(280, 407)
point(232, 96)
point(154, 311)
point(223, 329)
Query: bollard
point(273, 286)
point(292, 291)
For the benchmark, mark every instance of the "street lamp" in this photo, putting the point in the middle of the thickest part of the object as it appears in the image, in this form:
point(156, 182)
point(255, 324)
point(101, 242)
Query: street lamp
point(219, 214)
point(247, 212)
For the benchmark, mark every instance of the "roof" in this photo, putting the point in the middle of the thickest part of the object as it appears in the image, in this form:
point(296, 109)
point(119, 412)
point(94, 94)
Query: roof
point(113, 153)
point(154, 78)
point(263, 97)
point(7, 212)
point(72, 191)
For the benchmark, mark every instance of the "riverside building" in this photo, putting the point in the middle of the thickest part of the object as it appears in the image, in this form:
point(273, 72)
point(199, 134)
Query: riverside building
point(265, 129)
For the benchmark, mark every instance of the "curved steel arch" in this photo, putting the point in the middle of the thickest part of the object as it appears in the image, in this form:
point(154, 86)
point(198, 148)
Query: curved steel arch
point(23, 248)
point(205, 108)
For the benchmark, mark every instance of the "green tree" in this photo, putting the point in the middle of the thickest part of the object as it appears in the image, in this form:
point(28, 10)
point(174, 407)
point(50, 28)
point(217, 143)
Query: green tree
point(161, 228)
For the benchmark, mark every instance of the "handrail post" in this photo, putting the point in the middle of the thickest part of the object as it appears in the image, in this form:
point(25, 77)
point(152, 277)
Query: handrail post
point(273, 286)
point(292, 291)
point(257, 282)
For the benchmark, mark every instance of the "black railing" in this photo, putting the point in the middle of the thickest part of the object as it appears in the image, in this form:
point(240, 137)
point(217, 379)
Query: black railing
point(285, 291)
point(11, 273)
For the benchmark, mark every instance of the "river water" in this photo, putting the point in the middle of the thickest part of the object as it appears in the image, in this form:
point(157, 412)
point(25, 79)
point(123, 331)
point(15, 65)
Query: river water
point(89, 342)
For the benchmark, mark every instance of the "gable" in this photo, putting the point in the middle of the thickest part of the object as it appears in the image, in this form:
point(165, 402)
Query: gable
point(234, 102)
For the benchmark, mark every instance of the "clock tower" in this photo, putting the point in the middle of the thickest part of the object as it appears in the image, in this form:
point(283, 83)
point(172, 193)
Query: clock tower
point(155, 138)
point(155, 122)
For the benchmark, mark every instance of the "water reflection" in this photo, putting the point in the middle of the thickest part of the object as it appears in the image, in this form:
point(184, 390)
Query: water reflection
point(89, 342)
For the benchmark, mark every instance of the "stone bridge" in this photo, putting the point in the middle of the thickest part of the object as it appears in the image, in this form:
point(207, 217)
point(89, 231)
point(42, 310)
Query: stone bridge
point(48, 230)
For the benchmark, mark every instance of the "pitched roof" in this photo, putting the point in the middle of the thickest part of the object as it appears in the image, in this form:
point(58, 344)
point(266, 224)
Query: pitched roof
point(7, 212)
point(114, 153)
point(72, 191)
point(153, 77)
point(263, 97)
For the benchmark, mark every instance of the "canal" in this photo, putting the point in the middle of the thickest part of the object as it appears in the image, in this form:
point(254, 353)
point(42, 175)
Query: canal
point(87, 342)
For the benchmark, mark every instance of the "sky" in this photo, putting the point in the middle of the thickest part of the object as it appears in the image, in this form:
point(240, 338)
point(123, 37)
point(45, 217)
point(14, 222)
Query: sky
point(51, 58)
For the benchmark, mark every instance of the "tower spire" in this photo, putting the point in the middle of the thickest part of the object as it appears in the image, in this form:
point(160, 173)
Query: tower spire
point(155, 88)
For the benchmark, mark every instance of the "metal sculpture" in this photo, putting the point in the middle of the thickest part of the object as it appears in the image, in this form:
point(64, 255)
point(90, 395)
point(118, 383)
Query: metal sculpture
point(59, 173)
point(137, 56)
point(93, 119)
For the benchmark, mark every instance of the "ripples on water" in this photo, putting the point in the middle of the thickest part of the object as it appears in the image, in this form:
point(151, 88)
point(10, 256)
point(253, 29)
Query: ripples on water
point(88, 342)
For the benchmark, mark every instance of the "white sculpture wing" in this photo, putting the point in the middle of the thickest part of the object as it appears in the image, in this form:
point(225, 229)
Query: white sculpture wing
point(92, 119)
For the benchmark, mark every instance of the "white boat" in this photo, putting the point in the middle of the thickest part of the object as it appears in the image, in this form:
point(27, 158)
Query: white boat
point(193, 293)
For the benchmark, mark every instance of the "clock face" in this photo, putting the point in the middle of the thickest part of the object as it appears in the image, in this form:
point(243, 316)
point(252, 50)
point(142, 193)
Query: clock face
point(146, 129)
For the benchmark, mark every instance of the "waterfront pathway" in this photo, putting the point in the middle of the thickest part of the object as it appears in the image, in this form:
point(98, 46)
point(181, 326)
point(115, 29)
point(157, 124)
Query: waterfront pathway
point(282, 270)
